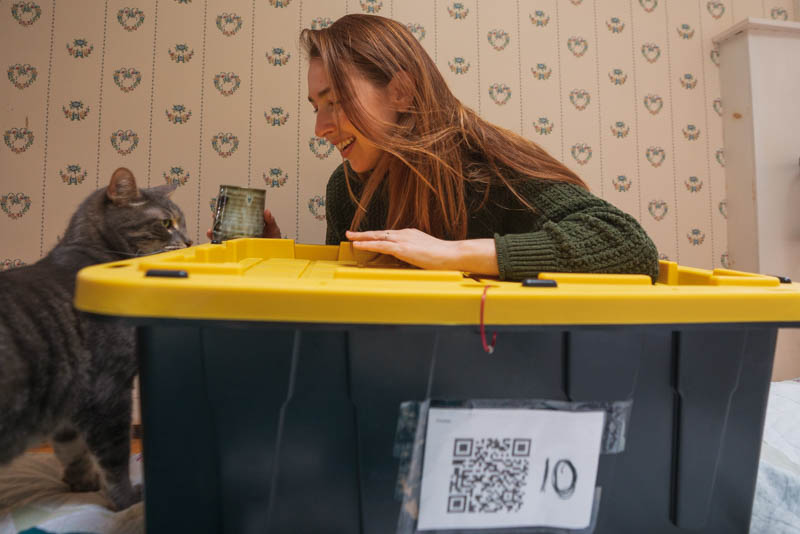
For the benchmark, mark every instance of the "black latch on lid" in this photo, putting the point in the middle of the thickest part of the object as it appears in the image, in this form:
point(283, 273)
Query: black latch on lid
point(167, 273)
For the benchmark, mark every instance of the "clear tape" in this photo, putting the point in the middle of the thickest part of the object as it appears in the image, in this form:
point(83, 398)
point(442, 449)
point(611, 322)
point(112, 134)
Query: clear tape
point(409, 449)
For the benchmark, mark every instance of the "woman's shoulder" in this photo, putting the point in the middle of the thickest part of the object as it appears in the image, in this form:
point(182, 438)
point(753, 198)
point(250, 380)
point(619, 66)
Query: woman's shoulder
point(530, 187)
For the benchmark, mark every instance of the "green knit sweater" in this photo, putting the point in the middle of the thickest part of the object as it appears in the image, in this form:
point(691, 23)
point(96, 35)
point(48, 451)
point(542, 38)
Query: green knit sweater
point(571, 230)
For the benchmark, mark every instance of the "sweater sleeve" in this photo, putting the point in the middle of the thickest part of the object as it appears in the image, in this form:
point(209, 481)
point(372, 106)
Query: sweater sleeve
point(571, 230)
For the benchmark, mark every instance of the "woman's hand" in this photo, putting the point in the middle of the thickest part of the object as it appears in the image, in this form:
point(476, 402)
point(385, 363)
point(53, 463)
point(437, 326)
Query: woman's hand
point(271, 229)
point(418, 248)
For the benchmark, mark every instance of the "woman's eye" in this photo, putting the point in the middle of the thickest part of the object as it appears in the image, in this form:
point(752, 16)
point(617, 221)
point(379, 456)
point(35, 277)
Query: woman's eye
point(167, 223)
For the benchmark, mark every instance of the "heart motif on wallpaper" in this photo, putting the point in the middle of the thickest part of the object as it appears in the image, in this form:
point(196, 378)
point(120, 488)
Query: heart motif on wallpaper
point(127, 79)
point(176, 176)
point(541, 71)
point(75, 110)
point(458, 11)
point(543, 126)
point(18, 139)
point(26, 13)
point(685, 31)
point(715, 8)
point(581, 152)
point(276, 116)
point(648, 5)
point(720, 156)
point(658, 209)
point(615, 25)
point(580, 98)
point(8, 264)
point(278, 57)
point(715, 56)
point(655, 155)
point(688, 81)
point(130, 18)
point(320, 147)
point(227, 83)
point(779, 13)
point(124, 142)
point(499, 39)
point(371, 6)
point(316, 205)
point(320, 23)
point(229, 23)
point(459, 65)
point(178, 114)
point(181, 53)
point(693, 184)
point(225, 144)
point(500, 93)
point(717, 105)
point(539, 18)
point(417, 30)
point(80, 48)
point(653, 103)
point(617, 76)
point(696, 236)
point(15, 205)
point(651, 52)
point(620, 129)
point(723, 208)
point(73, 175)
point(22, 76)
point(622, 183)
point(578, 46)
point(275, 177)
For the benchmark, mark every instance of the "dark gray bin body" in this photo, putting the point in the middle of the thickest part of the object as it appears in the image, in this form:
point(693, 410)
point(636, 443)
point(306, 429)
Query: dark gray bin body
point(256, 428)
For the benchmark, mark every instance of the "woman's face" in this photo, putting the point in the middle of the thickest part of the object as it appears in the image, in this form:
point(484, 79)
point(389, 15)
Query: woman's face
point(334, 126)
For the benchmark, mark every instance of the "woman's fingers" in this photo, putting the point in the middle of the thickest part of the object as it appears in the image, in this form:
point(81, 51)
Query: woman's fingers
point(383, 235)
point(271, 229)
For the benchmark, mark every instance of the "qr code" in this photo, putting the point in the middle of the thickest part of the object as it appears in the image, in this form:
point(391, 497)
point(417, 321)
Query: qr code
point(489, 475)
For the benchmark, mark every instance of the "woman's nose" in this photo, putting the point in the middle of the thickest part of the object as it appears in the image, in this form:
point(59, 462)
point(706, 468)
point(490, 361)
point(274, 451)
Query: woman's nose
point(324, 124)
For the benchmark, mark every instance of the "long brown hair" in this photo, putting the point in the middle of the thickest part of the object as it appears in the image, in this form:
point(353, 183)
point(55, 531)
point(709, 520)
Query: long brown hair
point(437, 145)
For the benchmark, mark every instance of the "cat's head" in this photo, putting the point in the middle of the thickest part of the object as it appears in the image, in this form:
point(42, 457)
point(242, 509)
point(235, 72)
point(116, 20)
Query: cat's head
point(127, 221)
point(146, 219)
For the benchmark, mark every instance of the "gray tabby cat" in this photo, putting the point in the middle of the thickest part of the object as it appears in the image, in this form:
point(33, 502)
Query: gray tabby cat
point(62, 374)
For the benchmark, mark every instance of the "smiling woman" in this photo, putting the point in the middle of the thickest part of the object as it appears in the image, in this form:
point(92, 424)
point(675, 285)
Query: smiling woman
point(428, 181)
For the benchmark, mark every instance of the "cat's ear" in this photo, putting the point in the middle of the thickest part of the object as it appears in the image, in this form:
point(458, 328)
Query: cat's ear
point(167, 190)
point(122, 190)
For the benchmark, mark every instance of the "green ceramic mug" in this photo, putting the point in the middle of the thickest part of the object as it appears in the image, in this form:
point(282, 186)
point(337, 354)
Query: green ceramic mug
point(239, 213)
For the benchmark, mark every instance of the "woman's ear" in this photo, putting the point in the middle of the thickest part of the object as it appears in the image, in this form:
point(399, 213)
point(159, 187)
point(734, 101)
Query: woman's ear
point(400, 91)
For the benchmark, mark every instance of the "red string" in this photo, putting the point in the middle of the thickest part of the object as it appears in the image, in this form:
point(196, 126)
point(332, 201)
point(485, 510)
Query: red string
point(488, 348)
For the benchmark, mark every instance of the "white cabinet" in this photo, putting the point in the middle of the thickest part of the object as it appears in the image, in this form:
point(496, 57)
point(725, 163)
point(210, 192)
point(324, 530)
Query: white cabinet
point(760, 91)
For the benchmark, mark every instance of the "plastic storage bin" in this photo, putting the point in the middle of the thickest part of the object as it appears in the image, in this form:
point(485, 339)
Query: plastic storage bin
point(272, 373)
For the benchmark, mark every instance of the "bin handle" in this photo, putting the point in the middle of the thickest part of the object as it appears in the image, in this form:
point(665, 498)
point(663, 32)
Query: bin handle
point(486, 347)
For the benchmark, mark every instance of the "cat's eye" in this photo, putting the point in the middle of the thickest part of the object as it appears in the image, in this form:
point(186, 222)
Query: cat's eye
point(167, 223)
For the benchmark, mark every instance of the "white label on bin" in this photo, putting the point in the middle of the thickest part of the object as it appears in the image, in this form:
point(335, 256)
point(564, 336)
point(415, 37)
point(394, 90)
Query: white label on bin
point(501, 468)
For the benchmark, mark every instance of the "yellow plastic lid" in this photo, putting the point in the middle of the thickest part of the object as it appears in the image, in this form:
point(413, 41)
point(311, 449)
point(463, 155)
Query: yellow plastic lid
point(276, 280)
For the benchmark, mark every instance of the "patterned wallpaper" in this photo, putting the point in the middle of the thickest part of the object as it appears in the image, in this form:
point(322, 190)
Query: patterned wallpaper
point(204, 92)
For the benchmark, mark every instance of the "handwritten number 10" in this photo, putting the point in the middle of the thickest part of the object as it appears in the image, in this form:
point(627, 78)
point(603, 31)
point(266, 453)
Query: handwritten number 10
point(564, 478)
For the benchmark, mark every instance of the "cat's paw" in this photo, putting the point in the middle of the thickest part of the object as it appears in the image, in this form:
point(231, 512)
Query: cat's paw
point(82, 481)
point(122, 499)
